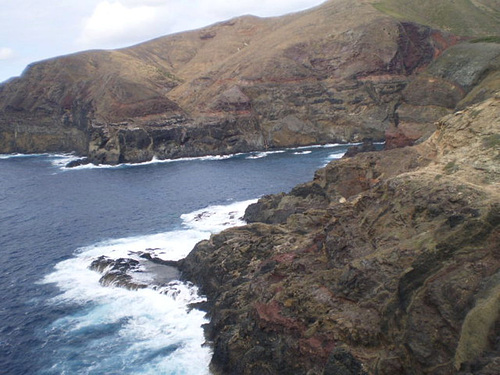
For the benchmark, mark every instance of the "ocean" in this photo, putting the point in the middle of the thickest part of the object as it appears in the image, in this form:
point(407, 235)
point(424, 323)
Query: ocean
point(55, 315)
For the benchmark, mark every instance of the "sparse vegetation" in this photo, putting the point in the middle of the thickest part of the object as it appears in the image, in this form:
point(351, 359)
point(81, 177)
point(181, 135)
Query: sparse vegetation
point(474, 113)
point(492, 141)
point(462, 17)
point(169, 75)
point(476, 328)
point(384, 8)
point(486, 39)
point(451, 167)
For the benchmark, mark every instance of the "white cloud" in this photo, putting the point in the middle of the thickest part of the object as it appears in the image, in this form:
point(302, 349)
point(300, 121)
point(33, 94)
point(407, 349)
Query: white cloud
point(116, 22)
point(6, 53)
point(53, 28)
point(134, 3)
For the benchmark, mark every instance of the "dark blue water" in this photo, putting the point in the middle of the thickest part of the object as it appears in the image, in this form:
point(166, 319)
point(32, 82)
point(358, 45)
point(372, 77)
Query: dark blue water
point(48, 214)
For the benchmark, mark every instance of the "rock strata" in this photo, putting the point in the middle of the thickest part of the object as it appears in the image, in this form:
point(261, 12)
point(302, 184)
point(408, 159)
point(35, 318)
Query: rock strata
point(385, 263)
point(346, 71)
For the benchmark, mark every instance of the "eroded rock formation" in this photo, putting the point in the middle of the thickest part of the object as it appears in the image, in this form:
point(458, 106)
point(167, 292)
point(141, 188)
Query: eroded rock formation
point(344, 71)
point(385, 263)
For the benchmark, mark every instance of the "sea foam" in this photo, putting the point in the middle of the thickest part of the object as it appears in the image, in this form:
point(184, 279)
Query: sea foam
point(18, 155)
point(147, 331)
point(154, 160)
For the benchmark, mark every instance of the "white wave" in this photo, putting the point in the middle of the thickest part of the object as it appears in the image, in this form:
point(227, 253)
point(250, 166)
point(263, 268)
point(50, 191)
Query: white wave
point(253, 155)
point(61, 160)
point(214, 219)
point(257, 156)
point(172, 245)
point(155, 330)
point(334, 156)
point(209, 157)
point(175, 245)
point(18, 155)
point(327, 145)
point(152, 161)
point(263, 154)
point(146, 322)
point(92, 166)
point(302, 152)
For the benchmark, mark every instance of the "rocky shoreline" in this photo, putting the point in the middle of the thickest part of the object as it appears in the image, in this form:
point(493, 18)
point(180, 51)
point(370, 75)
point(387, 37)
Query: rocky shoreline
point(385, 263)
point(338, 73)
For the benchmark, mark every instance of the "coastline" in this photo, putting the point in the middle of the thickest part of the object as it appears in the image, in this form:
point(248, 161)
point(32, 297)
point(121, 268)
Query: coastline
point(345, 272)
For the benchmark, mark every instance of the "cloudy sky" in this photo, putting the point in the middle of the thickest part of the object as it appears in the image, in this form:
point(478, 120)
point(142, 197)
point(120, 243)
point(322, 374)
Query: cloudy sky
point(33, 30)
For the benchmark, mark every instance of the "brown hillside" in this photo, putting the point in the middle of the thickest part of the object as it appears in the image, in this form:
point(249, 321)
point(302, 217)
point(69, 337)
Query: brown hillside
point(340, 72)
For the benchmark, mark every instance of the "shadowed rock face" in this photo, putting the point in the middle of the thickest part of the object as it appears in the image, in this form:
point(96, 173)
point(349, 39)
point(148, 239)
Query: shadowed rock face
point(385, 263)
point(344, 71)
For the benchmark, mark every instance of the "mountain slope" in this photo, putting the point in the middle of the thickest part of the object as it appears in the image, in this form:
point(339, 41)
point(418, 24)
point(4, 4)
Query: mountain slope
point(336, 73)
point(462, 17)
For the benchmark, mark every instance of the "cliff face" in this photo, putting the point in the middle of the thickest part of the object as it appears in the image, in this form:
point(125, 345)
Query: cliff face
point(344, 71)
point(385, 263)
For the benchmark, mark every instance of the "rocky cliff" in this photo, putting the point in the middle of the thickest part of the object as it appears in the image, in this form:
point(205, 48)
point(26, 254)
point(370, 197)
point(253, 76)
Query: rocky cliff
point(385, 263)
point(344, 71)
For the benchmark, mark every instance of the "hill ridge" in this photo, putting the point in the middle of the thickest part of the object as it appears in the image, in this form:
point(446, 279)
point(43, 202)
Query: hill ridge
point(339, 72)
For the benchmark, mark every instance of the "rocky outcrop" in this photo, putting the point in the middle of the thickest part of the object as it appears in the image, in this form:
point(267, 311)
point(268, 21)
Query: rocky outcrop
point(385, 263)
point(134, 274)
point(341, 72)
point(464, 75)
point(116, 272)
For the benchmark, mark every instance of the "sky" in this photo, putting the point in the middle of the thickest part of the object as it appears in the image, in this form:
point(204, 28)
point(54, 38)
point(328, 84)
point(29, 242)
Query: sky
point(34, 30)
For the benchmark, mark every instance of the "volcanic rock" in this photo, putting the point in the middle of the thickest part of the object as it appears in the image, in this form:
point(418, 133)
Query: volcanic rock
point(116, 272)
point(366, 146)
point(348, 70)
point(133, 274)
point(385, 263)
